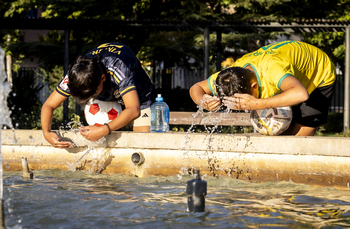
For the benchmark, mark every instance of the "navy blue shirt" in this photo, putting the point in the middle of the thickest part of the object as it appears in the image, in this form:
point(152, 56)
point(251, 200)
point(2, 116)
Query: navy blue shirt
point(124, 73)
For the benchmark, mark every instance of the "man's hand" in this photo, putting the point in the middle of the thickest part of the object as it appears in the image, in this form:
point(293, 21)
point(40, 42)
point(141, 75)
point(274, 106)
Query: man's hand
point(211, 103)
point(241, 102)
point(54, 140)
point(93, 133)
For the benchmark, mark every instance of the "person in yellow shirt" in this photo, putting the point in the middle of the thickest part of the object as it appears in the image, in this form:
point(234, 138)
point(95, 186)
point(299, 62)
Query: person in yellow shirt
point(288, 73)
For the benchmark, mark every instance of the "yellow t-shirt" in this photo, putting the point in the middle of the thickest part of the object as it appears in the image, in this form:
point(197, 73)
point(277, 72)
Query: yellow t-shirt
point(273, 63)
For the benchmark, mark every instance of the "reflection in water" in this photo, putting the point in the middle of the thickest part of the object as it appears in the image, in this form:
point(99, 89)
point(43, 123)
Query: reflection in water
point(66, 199)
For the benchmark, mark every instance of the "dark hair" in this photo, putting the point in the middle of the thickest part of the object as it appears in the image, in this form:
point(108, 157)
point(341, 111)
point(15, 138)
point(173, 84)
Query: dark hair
point(84, 77)
point(233, 80)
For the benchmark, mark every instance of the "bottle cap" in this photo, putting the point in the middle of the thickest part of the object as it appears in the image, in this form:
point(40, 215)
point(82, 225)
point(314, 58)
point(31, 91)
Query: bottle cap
point(159, 98)
point(197, 175)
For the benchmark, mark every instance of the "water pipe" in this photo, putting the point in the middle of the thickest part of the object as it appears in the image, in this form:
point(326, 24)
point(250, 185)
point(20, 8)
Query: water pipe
point(137, 158)
point(26, 172)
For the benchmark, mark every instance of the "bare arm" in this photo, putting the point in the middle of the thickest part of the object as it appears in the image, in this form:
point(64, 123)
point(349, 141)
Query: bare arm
point(47, 110)
point(130, 113)
point(201, 95)
point(293, 93)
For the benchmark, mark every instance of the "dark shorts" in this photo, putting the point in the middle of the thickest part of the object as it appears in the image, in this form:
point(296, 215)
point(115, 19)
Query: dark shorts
point(314, 111)
point(146, 102)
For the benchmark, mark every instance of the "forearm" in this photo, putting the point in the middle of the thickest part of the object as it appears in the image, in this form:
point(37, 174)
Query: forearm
point(287, 98)
point(293, 93)
point(197, 93)
point(124, 118)
point(54, 100)
point(46, 118)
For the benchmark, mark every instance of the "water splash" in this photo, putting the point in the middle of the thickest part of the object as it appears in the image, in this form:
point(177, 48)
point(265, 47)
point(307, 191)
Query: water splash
point(204, 118)
point(212, 126)
point(92, 161)
point(5, 119)
point(5, 88)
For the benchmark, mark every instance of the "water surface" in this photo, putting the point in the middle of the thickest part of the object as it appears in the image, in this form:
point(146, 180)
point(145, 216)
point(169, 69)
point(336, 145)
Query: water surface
point(66, 199)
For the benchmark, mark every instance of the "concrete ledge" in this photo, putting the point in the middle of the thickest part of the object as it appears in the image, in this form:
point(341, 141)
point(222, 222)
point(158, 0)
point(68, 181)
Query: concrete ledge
point(322, 161)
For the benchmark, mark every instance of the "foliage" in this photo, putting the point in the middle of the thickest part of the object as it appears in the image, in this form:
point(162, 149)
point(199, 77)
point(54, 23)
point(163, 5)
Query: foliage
point(288, 9)
point(330, 42)
point(334, 125)
point(170, 47)
point(128, 10)
point(53, 77)
point(23, 102)
point(57, 119)
point(237, 44)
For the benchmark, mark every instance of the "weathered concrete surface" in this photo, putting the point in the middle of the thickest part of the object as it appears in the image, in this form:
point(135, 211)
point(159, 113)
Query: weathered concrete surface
point(322, 161)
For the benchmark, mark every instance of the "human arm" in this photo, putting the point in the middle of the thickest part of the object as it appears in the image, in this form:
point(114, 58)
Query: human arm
point(293, 93)
point(54, 100)
point(201, 95)
point(130, 113)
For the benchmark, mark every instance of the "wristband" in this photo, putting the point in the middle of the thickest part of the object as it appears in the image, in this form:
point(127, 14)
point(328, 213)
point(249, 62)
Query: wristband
point(109, 129)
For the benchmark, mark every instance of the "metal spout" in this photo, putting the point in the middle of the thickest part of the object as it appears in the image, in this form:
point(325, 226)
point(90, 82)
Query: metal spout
point(26, 172)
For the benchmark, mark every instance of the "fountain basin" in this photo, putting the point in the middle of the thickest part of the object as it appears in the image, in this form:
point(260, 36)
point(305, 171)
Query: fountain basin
point(318, 161)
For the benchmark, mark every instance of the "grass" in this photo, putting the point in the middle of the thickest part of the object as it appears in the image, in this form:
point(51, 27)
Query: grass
point(333, 134)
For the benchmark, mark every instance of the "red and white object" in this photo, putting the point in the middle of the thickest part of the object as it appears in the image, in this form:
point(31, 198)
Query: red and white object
point(98, 112)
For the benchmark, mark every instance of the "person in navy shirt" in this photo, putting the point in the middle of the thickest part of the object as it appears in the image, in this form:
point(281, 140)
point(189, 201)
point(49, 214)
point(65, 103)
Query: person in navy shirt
point(109, 72)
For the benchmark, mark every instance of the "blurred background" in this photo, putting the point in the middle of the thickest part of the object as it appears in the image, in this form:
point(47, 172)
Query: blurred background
point(178, 42)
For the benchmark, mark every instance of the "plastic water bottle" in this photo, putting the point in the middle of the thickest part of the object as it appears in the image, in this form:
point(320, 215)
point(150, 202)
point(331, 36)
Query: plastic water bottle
point(159, 115)
point(196, 191)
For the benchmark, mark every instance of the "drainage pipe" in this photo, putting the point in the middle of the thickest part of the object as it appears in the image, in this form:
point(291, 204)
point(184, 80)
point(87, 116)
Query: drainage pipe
point(26, 172)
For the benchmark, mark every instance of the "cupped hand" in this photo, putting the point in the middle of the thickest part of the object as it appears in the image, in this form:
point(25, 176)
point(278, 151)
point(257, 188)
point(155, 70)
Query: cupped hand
point(54, 140)
point(241, 102)
point(93, 133)
point(210, 103)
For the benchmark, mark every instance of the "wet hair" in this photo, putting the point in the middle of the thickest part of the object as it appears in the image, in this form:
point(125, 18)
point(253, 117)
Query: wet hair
point(84, 78)
point(233, 80)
